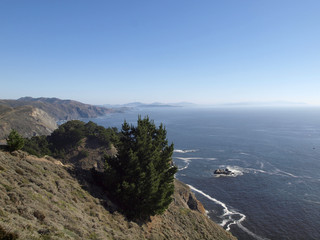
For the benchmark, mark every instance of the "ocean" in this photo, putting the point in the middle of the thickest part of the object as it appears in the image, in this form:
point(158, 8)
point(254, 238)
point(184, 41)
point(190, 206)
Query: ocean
point(274, 154)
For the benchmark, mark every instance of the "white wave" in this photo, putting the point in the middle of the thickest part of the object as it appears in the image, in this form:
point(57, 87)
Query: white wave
point(212, 159)
point(188, 160)
point(234, 159)
point(228, 214)
point(261, 164)
point(243, 153)
point(184, 151)
point(310, 201)
point(257, 170)
point(277, 172)
point(185, 167)
point(285, 173)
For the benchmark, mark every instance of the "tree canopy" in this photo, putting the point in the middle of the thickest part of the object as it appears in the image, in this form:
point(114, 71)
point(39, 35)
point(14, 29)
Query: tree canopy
point(68, 136)
point(140, 177)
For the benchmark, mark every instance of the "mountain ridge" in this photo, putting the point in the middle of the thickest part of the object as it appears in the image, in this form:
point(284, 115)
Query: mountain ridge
point(60, 109)
point(38, 116)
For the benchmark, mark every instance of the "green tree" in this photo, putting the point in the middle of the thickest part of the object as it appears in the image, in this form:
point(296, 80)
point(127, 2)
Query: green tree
point(37, 145)
point(67, 136)
point(15, 141)
point(140, 177)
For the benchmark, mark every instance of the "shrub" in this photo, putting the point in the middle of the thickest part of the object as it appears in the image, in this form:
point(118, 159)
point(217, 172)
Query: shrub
point(15, 141)
point(39, 215)
point(83, 154)
point(5, 235)
point(37, 145)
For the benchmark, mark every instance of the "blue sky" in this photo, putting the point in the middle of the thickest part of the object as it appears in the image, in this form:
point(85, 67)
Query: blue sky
point(208, 52)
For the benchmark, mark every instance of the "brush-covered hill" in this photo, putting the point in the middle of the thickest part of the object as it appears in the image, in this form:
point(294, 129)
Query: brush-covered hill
point(38, 116)
point(41, 198)
point(60, 109)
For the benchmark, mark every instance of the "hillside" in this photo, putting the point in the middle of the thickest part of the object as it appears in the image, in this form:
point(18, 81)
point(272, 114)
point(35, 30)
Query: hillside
point(59, 109)
point(38, 116)
point(27, 120)
point(40, 198)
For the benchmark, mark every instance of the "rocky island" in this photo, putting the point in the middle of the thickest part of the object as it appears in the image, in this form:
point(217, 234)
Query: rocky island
point(225, 171)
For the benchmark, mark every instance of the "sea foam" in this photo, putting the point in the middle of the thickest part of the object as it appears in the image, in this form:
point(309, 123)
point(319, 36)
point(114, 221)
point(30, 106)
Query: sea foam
point(228, 215)
point(184, 151)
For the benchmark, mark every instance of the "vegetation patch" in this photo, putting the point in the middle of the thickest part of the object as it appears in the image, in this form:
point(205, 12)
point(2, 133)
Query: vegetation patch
point(77, 198)
point(7, 187)
point(68, 137)
point(140, 177)
point(184, 211)
point(15, 141)
point(39, 215)
point(6, 235)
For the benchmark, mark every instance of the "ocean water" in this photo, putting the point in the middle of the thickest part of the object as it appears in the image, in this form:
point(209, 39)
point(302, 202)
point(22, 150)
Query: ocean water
point(274, 192)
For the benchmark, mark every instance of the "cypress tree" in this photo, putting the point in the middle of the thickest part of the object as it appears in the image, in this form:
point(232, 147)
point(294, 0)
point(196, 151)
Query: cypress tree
point(15, 141)
point(140, 177)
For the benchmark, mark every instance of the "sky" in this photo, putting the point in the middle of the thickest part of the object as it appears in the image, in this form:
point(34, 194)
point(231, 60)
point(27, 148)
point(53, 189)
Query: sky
point(120, 51)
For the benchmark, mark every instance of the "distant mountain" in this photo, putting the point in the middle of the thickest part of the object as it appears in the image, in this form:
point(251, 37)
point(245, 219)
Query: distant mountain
point(147, 105)
point(60, 109)
point(38, 116)
point(257, 104)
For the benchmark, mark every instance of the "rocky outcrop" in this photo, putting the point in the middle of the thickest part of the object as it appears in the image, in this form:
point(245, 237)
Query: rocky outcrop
point(27, 120)
point(223, 171)
point(187, 198)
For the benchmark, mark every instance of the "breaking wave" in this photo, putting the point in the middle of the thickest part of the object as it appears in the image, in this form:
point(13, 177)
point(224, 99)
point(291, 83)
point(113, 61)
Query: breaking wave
point(230, 217)
point(184, 151)
point(188, 160)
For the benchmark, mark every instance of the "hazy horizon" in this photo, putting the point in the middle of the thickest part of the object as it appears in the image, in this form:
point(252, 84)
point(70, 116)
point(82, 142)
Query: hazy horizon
point(117, 52)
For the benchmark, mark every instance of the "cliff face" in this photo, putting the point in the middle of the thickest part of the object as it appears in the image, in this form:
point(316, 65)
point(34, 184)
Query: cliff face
point(27, 120)
point(41, 199)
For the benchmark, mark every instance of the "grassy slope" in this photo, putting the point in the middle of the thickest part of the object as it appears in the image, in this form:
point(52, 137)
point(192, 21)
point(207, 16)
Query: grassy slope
point(40, 199)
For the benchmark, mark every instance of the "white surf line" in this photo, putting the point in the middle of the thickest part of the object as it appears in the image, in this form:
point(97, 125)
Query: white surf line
point(227, 212)
point(286, 173)
point(246, 154)
point(185, 151)
point(188, 160)
point(185, 167)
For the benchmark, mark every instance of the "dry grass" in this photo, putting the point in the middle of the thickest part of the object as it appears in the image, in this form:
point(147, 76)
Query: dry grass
point(40, 199)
